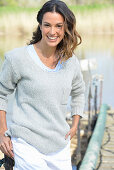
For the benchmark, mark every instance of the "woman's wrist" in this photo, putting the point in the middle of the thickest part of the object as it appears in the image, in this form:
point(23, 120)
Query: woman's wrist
point(2, 132)
point(74, 127)
point(75, 121)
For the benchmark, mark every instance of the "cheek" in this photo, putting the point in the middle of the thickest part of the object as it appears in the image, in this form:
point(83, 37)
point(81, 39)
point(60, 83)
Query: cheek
point(62, 34)
point(44, 31)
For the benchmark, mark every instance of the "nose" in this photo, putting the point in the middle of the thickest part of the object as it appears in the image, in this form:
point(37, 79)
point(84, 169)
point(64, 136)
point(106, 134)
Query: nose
point(52, 30)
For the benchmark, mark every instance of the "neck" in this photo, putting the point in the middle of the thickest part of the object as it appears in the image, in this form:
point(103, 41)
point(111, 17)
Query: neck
point(48, 52)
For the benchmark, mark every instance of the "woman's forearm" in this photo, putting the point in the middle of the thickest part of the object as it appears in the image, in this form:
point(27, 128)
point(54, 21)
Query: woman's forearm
point(5, 142)
point(75, 121)
point(3, 124)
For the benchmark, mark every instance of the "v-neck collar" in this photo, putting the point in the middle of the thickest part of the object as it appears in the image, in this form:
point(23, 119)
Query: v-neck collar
point(37, 60)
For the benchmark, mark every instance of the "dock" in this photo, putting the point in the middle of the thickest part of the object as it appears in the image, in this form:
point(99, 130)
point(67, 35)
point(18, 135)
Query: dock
point(106, 155)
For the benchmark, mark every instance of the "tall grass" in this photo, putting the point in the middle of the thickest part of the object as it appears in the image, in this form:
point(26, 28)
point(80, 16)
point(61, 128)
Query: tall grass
point(97, 19)
point(18, 24)
point(97, 22)
point(5, 10)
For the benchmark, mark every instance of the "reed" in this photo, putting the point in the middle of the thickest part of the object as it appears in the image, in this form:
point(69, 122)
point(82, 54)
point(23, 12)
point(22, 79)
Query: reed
point(89, 21)
point(97, 22)
point(17, 24)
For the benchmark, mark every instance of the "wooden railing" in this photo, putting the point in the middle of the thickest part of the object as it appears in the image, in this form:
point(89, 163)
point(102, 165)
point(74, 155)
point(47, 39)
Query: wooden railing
point(92, 152)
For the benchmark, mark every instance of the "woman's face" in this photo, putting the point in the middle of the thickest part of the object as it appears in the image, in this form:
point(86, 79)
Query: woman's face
point(52, 28)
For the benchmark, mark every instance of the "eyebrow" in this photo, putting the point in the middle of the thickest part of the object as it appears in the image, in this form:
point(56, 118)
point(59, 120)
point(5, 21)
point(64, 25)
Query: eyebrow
point(56, 24)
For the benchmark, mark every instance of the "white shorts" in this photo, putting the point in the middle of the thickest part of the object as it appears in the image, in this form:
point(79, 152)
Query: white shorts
point(29, 158)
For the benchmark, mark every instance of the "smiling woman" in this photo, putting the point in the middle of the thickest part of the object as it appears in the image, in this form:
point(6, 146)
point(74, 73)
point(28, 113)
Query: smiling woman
point(61, 18)
point(52, 28)
point(43, 75)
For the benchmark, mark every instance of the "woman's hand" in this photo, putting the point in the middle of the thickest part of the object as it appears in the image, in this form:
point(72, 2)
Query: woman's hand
point(75, 122)
point(6, 146)
point(72, 132)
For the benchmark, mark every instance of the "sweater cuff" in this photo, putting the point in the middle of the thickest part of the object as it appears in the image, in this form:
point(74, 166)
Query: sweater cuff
point(78, 111)
point(3, 105)
point(7, 133)
point(81, 115)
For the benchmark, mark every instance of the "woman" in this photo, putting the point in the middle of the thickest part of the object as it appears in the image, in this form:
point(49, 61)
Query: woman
point(43, 74)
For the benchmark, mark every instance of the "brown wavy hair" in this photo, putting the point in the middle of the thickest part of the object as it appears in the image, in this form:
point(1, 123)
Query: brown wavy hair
point(67, 45)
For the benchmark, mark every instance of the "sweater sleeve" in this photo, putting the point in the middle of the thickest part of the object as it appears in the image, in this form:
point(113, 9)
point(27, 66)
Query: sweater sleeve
point(8, 81)
point(77, 92)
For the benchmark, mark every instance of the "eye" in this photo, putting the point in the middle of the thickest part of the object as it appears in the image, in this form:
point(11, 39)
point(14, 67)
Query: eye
point(59, 26)
point(46, 25)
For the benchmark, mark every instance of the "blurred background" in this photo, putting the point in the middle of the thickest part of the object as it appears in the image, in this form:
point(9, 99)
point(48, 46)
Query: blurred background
point(95, 23)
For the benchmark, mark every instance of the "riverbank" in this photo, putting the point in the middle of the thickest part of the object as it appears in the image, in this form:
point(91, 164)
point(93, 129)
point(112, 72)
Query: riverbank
point(91, 19)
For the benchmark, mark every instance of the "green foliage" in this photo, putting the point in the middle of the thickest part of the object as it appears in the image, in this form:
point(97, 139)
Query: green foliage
point(91, 7)
point(75, 8)
point(21, 3)
point(8, 2)
point(16, 9)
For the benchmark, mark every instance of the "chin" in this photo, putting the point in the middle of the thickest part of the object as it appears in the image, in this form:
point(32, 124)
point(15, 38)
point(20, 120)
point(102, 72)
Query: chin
point(52, 44)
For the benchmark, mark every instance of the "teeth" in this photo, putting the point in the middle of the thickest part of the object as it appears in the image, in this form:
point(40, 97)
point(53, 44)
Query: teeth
point(52, 38)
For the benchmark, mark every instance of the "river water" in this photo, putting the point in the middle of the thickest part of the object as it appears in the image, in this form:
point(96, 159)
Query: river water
point(98, 47)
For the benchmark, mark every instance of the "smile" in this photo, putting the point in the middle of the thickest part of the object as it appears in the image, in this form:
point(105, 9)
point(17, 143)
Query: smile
point(52, 38)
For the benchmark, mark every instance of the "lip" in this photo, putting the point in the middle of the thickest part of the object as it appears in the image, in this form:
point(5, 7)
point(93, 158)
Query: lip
point(52, 38)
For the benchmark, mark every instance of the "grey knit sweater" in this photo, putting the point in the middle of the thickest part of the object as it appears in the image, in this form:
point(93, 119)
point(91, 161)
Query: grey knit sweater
point(40, 105)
